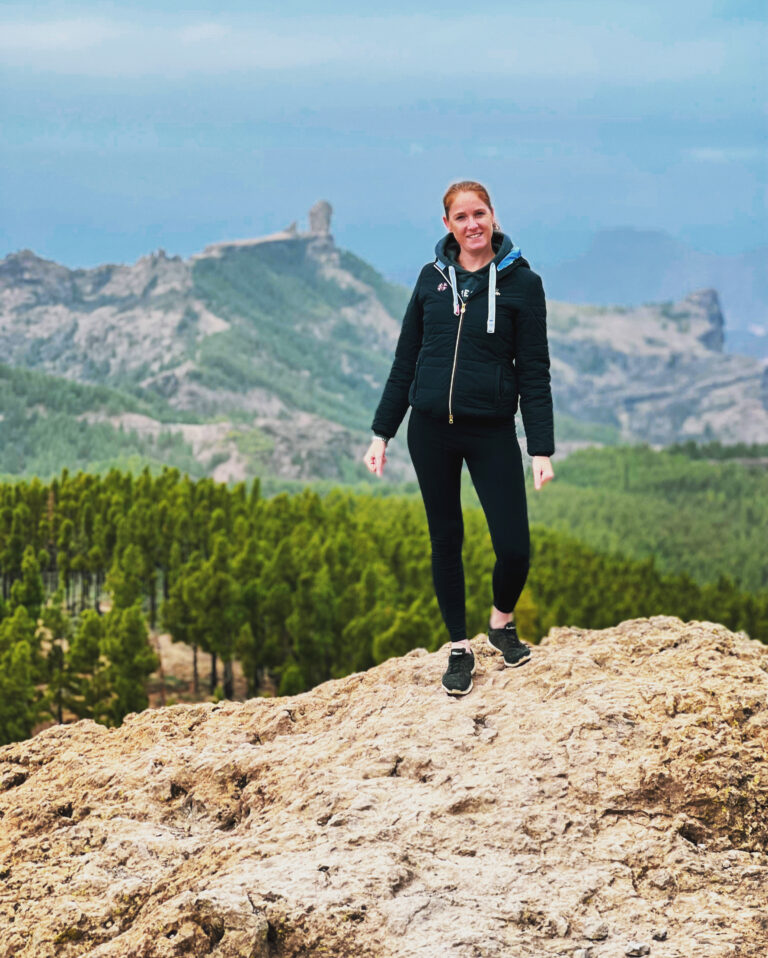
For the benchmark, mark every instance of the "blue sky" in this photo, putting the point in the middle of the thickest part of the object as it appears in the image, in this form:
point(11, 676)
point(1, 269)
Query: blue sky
point(128, 127)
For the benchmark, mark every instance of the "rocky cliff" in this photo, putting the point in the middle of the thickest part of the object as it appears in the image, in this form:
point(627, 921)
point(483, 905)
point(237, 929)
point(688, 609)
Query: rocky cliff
point(657, 372)
point(633, 266)
point(608, 799)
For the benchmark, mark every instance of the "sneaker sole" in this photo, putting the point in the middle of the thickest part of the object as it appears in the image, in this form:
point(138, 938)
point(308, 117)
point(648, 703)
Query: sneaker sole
point(510, 665)
point(458, 691)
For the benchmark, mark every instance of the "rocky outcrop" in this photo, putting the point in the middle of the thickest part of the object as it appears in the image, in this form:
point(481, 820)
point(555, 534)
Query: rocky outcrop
point(100, 324)
point(657, 372)
point(707, 302)
point(320, 218)
point(608, 799)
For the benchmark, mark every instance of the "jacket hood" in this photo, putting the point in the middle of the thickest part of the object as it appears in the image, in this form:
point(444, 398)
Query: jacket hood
point(447, 250)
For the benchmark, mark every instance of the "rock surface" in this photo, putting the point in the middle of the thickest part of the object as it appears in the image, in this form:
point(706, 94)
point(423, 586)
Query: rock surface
point(614, 786)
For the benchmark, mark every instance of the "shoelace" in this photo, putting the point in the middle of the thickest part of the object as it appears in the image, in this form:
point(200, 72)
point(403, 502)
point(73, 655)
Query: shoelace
point(455, 662)
point(510, 633)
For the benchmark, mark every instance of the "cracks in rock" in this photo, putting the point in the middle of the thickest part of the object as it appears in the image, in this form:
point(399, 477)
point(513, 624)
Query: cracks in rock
point(13, 781)
point(692, 833)
point(636, 875)
point(213, 926)
point(629, 812)
point(229, 821)
point(469, 803)
point(401, 880)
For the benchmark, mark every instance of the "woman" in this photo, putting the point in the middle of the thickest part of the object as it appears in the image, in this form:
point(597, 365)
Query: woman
point(473, 339)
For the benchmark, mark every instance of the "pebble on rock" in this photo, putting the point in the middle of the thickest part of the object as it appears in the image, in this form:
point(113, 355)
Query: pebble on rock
point(596, 930)
point(637, 948)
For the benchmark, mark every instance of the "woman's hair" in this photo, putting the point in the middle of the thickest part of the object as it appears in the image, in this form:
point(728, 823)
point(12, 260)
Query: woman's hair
point(467, 186)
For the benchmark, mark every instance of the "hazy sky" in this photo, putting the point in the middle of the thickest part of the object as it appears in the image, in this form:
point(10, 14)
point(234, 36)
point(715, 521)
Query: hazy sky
point(128, 127)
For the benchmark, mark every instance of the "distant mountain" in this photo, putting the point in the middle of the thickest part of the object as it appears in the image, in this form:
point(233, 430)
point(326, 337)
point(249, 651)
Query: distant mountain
point(267, 356)
point(656, 372)
point(632, 267)
point(279, 344)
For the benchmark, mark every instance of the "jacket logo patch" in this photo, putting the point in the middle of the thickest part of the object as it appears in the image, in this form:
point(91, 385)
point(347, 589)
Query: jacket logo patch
point(442, 287)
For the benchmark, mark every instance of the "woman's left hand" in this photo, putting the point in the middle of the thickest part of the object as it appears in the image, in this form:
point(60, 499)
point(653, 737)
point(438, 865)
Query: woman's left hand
point(542, 471)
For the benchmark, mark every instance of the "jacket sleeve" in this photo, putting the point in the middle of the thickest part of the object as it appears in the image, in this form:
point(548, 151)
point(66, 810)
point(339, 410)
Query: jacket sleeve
point(532, 365)
point(393, 404)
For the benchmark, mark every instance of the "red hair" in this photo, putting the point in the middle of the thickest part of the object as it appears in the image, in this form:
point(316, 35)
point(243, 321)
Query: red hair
point(467, 186)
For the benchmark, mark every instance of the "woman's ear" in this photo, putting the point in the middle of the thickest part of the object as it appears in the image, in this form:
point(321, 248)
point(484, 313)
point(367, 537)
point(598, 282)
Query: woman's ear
point(445, 221)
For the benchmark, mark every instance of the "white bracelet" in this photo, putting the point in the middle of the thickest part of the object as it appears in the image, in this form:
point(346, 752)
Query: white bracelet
point(385, 441)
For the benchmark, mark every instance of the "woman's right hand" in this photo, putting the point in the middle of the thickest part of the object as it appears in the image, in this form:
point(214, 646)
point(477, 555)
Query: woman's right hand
point(376, 456)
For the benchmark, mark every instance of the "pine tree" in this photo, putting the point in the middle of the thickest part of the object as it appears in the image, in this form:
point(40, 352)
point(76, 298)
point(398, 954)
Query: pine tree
point(131, 661)
point(220, 609)
point(88, 669)
point(29, 590)
point(55, 631)
point(126, 577)
point(18, 694)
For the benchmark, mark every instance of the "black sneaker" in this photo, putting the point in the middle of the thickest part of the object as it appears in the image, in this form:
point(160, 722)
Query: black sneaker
point(506, 641)
point(457, 678)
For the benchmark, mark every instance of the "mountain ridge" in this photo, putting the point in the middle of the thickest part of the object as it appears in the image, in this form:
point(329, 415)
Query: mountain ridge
point(282, 344)
point(636, 266)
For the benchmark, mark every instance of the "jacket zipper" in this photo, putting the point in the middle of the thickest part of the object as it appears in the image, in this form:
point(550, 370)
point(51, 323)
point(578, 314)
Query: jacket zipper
point(456, 348)
point(455, 357)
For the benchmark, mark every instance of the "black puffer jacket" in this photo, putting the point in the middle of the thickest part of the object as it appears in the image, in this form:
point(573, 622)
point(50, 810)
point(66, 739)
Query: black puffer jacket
point(476, 355)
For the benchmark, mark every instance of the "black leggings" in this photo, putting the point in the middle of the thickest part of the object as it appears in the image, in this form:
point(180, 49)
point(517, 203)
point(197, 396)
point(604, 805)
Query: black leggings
point(490, 448)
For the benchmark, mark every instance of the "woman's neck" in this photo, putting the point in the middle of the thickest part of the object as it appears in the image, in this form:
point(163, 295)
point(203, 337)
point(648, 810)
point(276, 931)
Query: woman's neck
point(472, 262)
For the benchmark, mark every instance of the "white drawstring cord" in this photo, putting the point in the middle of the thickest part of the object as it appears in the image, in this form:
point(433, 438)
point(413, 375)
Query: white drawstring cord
point(491, 324)
point(455, 290)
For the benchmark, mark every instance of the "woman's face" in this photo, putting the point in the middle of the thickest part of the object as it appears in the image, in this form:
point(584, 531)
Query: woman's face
point(471, 222)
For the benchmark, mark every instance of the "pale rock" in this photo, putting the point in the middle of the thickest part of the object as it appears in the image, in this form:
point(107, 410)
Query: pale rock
point(352, 821)
point(556, 926)
point(596, 930)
